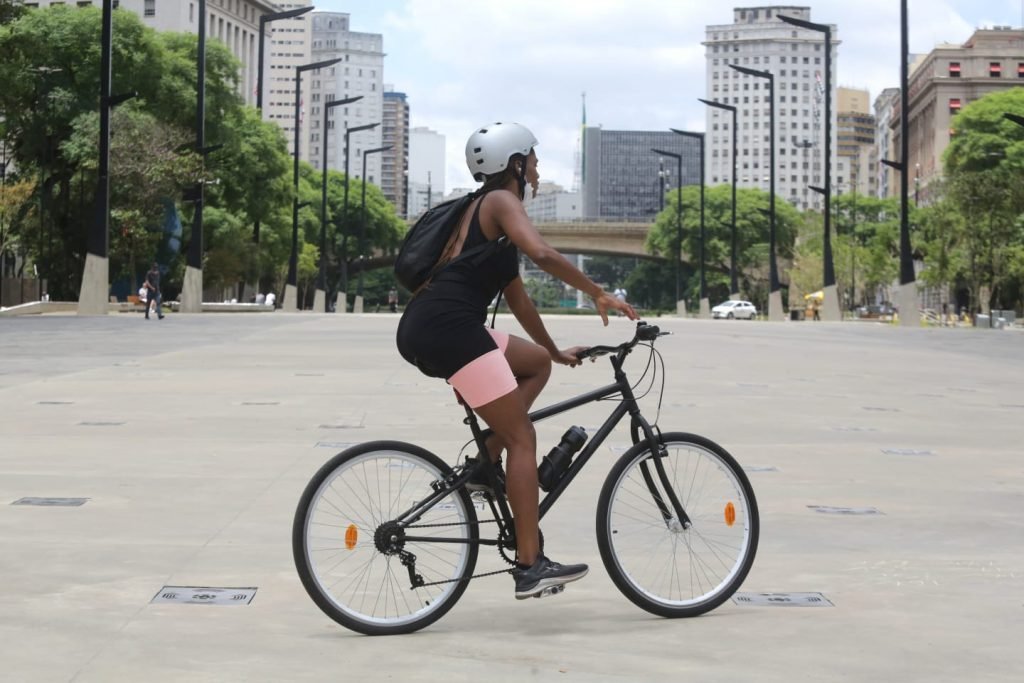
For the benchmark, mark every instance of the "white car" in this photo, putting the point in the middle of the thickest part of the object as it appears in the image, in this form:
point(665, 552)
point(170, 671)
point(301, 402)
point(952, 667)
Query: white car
point(734, 309)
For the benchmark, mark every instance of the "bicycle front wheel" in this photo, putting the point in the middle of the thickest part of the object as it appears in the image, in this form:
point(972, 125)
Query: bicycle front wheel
point(354, 559)
point(657, 562)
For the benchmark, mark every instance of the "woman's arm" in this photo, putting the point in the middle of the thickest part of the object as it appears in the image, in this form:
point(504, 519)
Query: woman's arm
point(507, 211)
point(522, 308)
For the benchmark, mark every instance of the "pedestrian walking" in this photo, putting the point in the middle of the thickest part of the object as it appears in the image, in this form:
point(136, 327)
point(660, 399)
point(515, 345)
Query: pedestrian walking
point(152, 286)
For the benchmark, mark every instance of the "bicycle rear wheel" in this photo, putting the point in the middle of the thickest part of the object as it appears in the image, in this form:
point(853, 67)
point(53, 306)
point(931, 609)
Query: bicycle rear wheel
point(354, 560)
point(655, 562)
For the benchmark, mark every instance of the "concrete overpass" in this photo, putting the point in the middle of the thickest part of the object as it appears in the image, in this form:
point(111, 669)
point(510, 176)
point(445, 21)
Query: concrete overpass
point(605, 238)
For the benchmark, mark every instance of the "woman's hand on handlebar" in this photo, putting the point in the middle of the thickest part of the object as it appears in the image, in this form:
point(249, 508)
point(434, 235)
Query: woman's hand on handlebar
point(568, 356)
point(606, 302)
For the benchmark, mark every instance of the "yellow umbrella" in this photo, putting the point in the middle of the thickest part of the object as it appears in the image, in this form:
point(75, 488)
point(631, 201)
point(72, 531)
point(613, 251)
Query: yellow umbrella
point(818, 296)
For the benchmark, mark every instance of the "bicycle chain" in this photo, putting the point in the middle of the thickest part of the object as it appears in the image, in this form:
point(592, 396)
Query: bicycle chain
point(474, 576)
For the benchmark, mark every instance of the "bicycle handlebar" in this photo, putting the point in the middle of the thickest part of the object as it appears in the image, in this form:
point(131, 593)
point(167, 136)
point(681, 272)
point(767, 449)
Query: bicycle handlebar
point(644, 332)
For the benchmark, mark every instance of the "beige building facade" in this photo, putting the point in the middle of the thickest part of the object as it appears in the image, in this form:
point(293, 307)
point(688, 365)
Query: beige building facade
point(856, 142)
point(948, 79)
point(288, 47)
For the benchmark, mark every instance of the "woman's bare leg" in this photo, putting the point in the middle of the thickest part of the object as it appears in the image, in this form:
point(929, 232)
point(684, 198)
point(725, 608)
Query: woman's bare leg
point(531, 365)
point(507, 417)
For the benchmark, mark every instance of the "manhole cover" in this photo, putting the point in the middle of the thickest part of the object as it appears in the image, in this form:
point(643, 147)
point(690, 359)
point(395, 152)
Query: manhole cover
point(881, 410)
point(193, 595)
point(782, 599)
point(832, 510)
point(854, 429)
point(51, 502)
point(761, 468)
point(260, 403)
point(55, 403)
point(309, 374)
point(907, 451)
point(100, 423)
point(334, 444)
point(341, 426)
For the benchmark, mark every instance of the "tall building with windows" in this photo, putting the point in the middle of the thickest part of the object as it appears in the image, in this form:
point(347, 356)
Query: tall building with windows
point(236, 23)
point(885, 108)
point(948, 79)
point(426, 169)
point(288, 47)
point(361, 72)
point(624, 179)
point(757, 39)
point(395, 161)
point(856, 133)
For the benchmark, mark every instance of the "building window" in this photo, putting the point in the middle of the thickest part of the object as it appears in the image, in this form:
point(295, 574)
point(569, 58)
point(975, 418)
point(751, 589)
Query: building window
point(995, 69)
point(954, 105)
point(954, 69)
point(150, 8)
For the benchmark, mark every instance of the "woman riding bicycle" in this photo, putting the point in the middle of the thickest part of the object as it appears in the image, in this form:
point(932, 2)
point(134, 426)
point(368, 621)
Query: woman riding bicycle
point(442, 331)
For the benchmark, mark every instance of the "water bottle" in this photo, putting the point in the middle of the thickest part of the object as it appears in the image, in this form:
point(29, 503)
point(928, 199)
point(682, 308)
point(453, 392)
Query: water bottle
point(557, 461)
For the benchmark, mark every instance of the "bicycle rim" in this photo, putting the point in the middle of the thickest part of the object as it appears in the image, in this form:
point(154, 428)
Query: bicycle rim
point(662, 566)
point(372, 590)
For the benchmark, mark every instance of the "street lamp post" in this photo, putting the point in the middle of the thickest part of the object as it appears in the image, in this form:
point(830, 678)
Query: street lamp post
point(320, 299)
point(291, 288)
point(734, 289)
point(344, 239)
point(1019, 120)
point(264, 20)
point(775, 311)
point(661, 184)
point(362, 225)
point(831, 301)
point(680, 304)
point(705, 305)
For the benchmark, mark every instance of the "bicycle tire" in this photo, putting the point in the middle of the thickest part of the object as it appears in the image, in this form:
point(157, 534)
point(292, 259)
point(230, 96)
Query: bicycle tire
point(368, 474)
point(628, 517)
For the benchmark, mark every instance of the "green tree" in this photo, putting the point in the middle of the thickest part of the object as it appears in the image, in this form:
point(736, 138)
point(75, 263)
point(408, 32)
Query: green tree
point(984, 164)
point(751, 229)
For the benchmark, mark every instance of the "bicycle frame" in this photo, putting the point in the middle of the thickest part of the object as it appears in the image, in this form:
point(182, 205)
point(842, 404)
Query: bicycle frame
point(503, 514)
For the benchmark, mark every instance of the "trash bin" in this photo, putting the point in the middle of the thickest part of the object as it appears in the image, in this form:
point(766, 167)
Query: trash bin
point(981, 320)
point(796, 314)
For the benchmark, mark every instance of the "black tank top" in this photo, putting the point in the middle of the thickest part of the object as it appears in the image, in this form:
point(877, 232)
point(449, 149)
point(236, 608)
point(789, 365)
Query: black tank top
point(481, 282)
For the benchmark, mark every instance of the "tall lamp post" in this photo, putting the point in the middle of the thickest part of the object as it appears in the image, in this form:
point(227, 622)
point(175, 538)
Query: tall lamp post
point(1019, 120)
point(320, 298)
point(830, 304)
point(264, 20)
point(705, 305)
point(680, 304)
point(291, 288)
point(734, 288)
point(775, 311)
point(344, 240)
point(362, 226)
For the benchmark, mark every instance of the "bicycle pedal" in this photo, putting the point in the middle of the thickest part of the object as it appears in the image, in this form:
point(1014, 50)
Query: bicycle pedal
point(550, 590)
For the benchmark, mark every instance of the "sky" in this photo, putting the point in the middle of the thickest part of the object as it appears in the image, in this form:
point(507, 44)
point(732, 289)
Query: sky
point(466, 63)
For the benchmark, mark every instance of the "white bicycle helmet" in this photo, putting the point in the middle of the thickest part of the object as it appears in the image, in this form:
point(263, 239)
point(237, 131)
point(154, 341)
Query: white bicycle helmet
point(489, 148)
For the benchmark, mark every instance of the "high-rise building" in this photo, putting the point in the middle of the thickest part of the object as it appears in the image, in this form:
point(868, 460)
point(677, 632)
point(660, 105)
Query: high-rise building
point(288, 48)
point(758, 40)
point(947, 79)
point(361, 72)
point(395, 161)
point(885, 108)
point(856, 141)
point(623, 178)
point(236, 23)
point(553, 204)
point(426, 169)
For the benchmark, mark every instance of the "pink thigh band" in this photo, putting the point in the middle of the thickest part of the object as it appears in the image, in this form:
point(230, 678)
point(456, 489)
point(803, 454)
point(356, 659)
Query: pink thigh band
point(500, 338)
point(486, 378)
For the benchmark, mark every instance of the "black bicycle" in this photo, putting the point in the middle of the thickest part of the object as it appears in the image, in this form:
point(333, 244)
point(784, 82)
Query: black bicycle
point(386, 535)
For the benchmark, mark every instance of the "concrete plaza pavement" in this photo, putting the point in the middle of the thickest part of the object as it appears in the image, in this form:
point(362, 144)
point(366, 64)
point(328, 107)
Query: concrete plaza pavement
point(192, 439)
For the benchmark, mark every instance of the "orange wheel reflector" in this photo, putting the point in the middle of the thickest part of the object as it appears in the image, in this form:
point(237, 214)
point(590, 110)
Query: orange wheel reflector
point(352, 535)
point(730, 514)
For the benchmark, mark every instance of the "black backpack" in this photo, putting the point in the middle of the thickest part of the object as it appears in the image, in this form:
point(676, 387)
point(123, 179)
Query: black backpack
point(418, 257)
